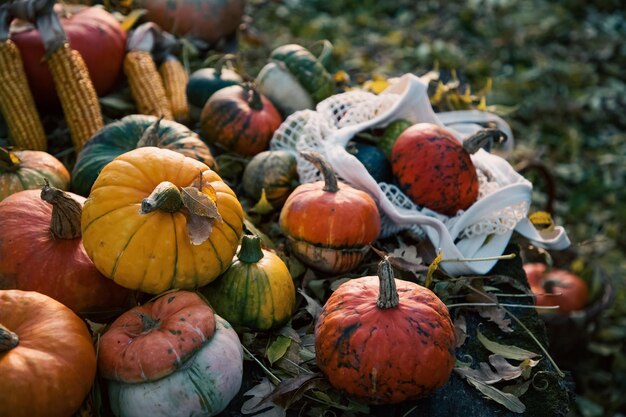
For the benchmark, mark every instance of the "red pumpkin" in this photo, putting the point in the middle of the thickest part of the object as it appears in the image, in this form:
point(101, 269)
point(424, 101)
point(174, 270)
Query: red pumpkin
point(209, 20)
point(85, 27)
point(329, 224)
point(239, 119)
point(557, 287)
point(384, 340)
point(42, 250)
point(434, 169)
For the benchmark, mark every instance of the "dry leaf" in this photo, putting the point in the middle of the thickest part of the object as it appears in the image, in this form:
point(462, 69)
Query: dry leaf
point(201, 213)
point(258, 393)
point(313, 307)
point(460, 328)
point(510, 401)
point(507, 351)
point(286, 393)
point(496, 315)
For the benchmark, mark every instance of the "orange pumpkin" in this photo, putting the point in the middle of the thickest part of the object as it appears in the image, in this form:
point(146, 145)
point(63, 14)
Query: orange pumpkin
point(384, 340)
point(557, 287)
point(329, 224)
point(47, 360)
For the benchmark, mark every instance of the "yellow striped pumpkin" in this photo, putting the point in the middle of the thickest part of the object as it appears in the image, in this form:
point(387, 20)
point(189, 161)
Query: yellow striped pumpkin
point(152, 251)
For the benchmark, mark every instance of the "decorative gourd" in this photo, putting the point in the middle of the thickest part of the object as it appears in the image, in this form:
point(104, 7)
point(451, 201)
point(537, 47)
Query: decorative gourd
point(391, 133)
point(171, 357)
point(26, 170)
point(204, 82)
point(295, 79)
point(276, 172)
point(329, 224)
point(557, 287)
point(42, 250)
point(373, 159)
point(239, 119)
point(47, 359)
point(85, 27)
point(209, 20)
point(384, 340)
point(256, 291)
point(132, 132)
point(435, 170)
point(156, 220)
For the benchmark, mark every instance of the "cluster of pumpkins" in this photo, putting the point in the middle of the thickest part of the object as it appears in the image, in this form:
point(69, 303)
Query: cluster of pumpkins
point(149, 213)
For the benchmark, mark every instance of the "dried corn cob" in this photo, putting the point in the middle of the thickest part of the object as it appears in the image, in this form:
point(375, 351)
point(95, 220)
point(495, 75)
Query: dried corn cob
point(77, 94)
point(146, 84)
point(175, 79)
point(16, 101)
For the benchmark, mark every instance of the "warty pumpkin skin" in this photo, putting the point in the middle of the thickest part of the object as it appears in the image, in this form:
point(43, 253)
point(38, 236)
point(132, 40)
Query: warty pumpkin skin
point(329, 224)
point(131, 132)
point(256, 291)
point(50, 369)
point(26, 170)
point(42, 250)
point(153, 252)
point(200, 379)
point(384, 340)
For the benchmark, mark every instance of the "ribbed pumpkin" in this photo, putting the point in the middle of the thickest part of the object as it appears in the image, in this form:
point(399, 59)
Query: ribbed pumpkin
point(26, 170)
point(384, 340)
point(239, 119)
point(47, 359)
point(42, 250)
point(329, 224)
point(143, 225)
point(171, 357)
point(131, 132)
point(256, 291)
point(276, 172)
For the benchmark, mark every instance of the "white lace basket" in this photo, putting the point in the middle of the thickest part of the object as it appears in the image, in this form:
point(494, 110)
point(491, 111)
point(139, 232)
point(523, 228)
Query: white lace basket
point(483, 230)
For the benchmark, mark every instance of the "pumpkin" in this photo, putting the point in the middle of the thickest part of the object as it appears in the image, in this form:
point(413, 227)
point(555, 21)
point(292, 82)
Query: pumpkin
point(171, 357)
point(294, 79)
point(42, 250)
point(329, 224)
point(156, 219)
point(204, 82)
point(131, 132)
point(47, 359)
point(85, 27)
point(256, 291)
point(557, 287)
point(239, 119)
point(384, 340)
point(27, 170)
point(373, 159)
point(209, 20)
point(276, 172)
point(434, 169)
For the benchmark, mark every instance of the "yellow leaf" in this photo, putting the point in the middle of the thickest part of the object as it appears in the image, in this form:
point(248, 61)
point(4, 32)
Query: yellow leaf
point(432, 268)
point(542, 220)
point(377, 84)
point(341, 77)
point(132, 18)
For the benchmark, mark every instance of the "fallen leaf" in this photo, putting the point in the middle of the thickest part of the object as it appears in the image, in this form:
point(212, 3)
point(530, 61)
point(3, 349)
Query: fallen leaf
point(506, 351)
point(201, 213)
point(517, 389)
point(287, 392)
point(460, 328)
point(510, 401)
point(277, 349)
point(258, 393)
point(498, 369)
point(313, 307)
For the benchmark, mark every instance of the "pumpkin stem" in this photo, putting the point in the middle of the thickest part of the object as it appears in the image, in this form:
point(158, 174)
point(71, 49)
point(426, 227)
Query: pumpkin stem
point(66, 212)
point(150, 136)
point(9, 162)
point(483, 137)
point(148, 323)
point(8, 339)
point(224, 59)
point(330, 179)
point(387, 293)
point(251, 251)
point(254, 97)
point(166, 197)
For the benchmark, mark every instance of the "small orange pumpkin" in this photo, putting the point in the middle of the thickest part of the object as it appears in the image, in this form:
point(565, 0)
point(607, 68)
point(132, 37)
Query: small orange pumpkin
point(557, 287)
point(329, 224)
point(384, 340)
point(47, 359)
